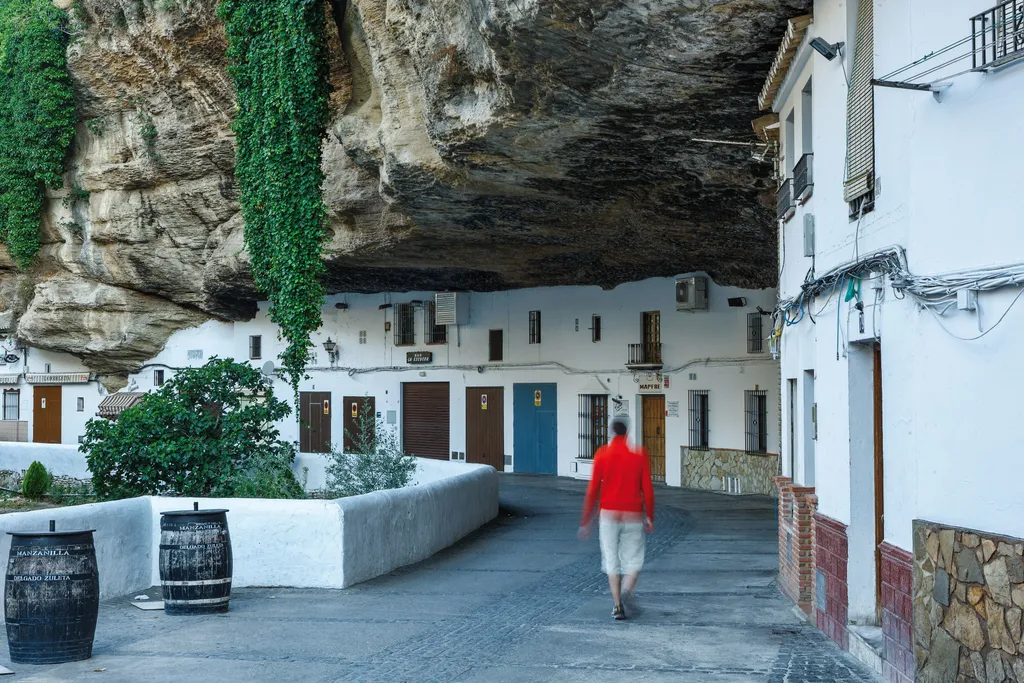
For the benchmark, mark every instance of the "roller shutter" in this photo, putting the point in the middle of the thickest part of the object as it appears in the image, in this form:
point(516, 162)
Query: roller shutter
point(426, 419)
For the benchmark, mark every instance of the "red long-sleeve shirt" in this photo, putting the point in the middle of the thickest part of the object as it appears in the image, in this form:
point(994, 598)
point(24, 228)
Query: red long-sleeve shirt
point(622, 479)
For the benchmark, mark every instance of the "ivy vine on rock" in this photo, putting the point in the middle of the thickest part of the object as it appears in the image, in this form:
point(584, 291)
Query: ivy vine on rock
point(37, 118)
point(278, 55)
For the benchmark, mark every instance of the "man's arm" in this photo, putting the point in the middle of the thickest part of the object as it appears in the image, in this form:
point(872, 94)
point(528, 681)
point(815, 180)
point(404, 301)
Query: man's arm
point(648, 491)
point(593, 489)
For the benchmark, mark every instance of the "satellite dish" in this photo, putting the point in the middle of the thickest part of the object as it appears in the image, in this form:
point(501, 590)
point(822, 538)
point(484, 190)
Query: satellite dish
point(268, 368)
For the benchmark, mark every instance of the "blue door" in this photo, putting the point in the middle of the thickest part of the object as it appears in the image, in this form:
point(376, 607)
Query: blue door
point(535, 428)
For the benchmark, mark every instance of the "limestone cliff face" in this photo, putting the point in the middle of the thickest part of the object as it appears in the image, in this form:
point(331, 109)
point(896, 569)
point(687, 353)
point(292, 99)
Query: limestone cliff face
point(475, 144)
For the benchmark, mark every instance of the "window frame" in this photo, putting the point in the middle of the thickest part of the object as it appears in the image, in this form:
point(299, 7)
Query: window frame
point(80, 404)
point(16, 393)
point(432, 332)
point(699, 409)
point(404, 333)
point(535, 327)
point(593, 424)
point(595, 328)
point(158, 378)
point(498, 357)
point(755, 403)
point(255, 346)
point(755, 333)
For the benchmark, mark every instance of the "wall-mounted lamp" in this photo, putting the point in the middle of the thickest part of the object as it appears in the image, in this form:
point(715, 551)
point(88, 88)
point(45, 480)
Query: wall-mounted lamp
point(383, 306)
point(826, 49)
point(331, 347)
point(341, 306)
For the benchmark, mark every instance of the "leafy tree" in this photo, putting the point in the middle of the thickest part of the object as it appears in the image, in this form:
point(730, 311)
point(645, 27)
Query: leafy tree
point(36, 482)
point(208, 431)
point(377, 461)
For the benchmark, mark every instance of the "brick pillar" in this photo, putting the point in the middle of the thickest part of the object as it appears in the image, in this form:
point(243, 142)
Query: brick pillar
point(796, 542)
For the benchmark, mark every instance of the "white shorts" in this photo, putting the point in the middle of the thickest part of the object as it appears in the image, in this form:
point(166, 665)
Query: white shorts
point(622, 545)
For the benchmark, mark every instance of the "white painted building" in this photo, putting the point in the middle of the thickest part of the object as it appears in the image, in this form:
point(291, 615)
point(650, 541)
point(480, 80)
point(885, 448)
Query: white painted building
point(907, 376)
point(579, 366)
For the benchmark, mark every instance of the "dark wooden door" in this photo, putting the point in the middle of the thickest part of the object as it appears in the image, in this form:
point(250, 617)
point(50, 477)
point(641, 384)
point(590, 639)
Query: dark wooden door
point(652, 337)
point(426, 416)
point(46, 414)
point(485, 426)
point(315, 422)
point(879, 481)
point(353, 418)
point(653, 434)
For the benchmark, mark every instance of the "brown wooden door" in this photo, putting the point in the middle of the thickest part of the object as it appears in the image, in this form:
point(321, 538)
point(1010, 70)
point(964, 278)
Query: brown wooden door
point(46, 414)
point(653, 434)
point(879, 481)
point(485, 426)
point(352, 420)
point(652, 337)
point(315, 422)
point(425, 419)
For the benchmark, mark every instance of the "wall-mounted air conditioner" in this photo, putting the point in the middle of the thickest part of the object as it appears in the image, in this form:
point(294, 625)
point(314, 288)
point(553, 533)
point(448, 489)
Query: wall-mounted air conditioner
point(451, 308)
point(692, 294)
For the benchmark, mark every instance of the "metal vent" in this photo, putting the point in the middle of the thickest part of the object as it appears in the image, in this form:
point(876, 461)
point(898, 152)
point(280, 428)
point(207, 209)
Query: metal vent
point(809, 234)
point(692, 294)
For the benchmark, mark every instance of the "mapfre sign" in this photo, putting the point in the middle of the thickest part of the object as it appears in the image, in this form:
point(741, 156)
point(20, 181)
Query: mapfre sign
point(650, 382)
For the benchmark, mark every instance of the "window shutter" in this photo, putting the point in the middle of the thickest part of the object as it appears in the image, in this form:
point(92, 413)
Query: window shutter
point(860, 109)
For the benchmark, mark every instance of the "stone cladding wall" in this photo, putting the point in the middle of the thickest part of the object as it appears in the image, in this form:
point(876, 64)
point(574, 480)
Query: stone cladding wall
point(707, 470)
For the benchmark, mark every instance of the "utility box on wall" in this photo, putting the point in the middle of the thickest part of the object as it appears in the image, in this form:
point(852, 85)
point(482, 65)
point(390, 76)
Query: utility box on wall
point(451, 308)
point(692, 294)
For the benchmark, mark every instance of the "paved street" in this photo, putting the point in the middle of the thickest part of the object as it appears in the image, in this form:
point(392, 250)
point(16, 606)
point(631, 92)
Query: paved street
point(520, 600)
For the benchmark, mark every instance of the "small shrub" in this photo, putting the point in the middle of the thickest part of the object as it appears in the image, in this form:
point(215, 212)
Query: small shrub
point(72, 493)
point(376, 463)
point(36, 482)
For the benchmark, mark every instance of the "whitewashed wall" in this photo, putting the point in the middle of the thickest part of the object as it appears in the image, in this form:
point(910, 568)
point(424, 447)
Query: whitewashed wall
point(710, 344)
point(950, 189)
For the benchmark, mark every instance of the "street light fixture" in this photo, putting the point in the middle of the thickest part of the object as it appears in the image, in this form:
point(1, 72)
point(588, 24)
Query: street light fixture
point(826, 49)
point(331, 347)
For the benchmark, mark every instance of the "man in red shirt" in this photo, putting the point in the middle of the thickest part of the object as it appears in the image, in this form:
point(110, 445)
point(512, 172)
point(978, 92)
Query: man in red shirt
point(621, 480)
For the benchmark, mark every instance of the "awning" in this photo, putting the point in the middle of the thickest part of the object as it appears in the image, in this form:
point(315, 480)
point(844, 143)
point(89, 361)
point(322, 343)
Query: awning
point(58, 378)
point(113, 404)
point(9, 379)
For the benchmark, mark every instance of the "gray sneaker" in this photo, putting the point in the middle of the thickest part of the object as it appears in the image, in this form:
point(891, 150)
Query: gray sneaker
point(618, 613)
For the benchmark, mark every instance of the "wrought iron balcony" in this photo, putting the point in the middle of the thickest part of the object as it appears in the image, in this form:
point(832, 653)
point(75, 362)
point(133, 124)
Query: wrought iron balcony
point(644, 356)
point(997, 35)
point(803, 177)
point(784, 206)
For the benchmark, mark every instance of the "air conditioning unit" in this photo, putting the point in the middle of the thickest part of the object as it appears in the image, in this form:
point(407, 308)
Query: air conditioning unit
point(451, 308)
point(692, 294)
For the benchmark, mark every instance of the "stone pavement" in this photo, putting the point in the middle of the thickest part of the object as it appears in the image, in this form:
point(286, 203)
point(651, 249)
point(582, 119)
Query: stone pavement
point(519, 600)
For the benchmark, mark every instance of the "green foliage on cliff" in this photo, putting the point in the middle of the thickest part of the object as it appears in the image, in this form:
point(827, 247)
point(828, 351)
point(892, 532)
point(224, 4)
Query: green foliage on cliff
point(278, 55)
point(208, 431)
point(37, 117)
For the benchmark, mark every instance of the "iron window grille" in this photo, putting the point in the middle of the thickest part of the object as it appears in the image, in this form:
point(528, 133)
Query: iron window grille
point(643, 354)
point(535, 327)
point(255, 347)
point(158, 378)
point(432, 332)
point(593, 423)
point(757, 421)
point(405, 325)
point(595, 328)
point(755, 333)
point(496, 346)
point(997, 35)
point(12, 404)
point(803, 175)
point(784, 206)
point(700, 432)
point(862, 205)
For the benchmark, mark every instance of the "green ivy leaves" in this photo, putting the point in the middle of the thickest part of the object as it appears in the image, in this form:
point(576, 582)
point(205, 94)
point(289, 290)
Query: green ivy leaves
point(37, 118)
point(278, 55)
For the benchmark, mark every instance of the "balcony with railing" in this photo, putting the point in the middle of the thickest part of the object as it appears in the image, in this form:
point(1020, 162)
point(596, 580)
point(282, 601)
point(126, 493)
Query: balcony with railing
point(803, 177)
point(644, 356)
point(784, 206)
point(997, 35)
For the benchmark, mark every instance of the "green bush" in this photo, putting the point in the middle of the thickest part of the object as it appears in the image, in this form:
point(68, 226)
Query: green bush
point(36, 482)
point(208, 431)
point(377, 461)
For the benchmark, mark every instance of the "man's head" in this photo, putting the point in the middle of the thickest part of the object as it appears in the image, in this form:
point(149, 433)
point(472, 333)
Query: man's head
point(619, 427)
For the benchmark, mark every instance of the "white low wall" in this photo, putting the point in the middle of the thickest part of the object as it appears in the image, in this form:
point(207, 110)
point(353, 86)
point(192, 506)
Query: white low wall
point(123, 538)
point(300, 543)
point(59, 459)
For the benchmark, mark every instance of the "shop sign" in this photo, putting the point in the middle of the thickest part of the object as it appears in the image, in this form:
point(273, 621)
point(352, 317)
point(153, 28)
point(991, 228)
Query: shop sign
point(419, 357)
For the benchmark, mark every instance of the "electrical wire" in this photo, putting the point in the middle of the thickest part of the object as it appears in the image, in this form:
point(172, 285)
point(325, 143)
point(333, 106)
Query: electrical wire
point(938, 319)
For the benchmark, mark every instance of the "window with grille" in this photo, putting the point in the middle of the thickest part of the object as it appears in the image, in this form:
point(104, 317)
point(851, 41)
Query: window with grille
point(81, 404)
point(12, 404)
point(255, 347)
point(755, 333)
point(535, 327)
point(593, 423)
point(757, 421)
point(595, 328)
point(700, 432)
point(158, 377)
point(496, 346)
point(432, 332)
point(405, 330)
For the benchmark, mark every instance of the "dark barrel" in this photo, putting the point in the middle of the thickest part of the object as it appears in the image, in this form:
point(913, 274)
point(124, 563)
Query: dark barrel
point(52, 596)
point(195, 561)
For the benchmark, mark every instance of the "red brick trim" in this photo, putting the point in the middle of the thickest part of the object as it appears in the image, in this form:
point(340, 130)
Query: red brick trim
point(796, 542)
point(831, 556)
point(897, 614)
